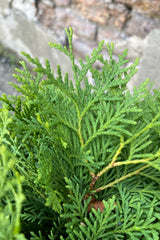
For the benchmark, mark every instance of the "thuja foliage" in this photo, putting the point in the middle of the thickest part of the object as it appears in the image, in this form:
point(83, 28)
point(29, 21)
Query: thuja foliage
point(11, 196)
point(88, 154)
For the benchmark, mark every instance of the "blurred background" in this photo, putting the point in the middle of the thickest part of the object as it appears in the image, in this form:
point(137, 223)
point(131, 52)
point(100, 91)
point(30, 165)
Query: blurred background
point(28, 25)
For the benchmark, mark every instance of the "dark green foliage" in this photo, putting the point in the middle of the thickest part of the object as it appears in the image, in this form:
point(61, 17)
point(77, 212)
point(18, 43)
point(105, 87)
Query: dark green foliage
point(75, 144)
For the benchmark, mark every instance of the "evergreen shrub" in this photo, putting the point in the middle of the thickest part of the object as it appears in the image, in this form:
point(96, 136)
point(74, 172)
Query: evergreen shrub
point(80, 162)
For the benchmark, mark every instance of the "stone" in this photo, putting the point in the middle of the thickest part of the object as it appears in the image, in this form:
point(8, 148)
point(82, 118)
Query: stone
point(134, 44)
point(19, 34)
point(82, 49)
point(108, 33)
point(46, 15)
point(49, 3)
point(26, 7)
point(119, 14)
point(149, 7)
point(82, 27)
point(4, 8)
point(59, 18)
point(94, 10)
point(149, 62)
point(62, 3)
point(62, 18)
point(140, 25)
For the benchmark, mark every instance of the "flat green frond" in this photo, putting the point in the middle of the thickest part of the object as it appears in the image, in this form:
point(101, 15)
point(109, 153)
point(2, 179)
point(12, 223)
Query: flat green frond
point(89, 153)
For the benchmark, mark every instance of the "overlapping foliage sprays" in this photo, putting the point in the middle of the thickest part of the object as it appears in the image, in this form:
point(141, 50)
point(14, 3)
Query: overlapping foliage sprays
point(86, 157)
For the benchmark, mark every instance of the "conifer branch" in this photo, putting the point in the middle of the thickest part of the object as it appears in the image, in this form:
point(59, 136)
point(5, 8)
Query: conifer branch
point(116, 164)
point(69, 33)
point(112, 164)
point(81, 137)
point(139, 161)
point(147, 127)
point(121, 179)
